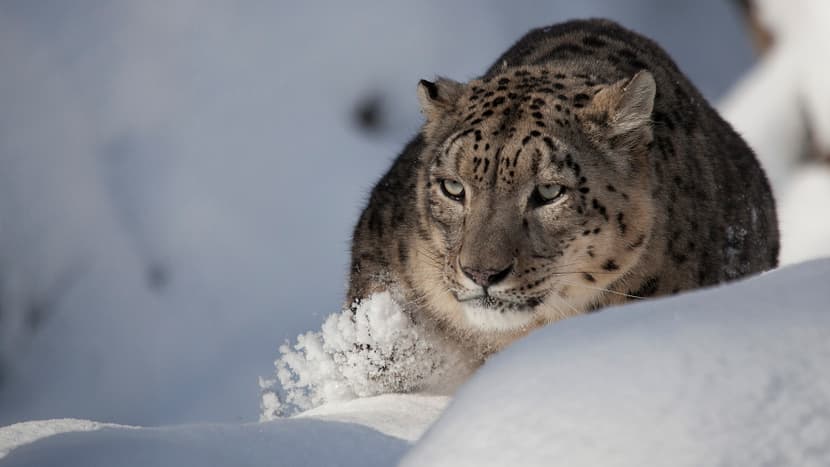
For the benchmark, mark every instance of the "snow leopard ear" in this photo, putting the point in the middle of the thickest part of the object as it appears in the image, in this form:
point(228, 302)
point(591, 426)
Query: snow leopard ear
point(635, 104)
point(624, 108)
point(439, 97)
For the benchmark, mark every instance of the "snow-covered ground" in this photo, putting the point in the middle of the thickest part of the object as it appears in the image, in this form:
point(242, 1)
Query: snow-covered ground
point(362, 432)
point(735, 375)
point(296, 442)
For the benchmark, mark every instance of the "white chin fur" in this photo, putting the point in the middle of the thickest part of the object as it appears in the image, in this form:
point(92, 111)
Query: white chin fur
point(493, 320)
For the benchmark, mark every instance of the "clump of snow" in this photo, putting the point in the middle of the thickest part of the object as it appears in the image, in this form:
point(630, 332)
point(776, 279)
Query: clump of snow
point(374, 348)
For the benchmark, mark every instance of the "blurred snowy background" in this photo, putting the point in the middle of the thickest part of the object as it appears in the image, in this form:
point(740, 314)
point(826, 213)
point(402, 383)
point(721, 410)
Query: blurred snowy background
point(179, 180)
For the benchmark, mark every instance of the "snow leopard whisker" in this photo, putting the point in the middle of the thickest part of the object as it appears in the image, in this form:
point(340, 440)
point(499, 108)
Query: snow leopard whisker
point(601, 289)
point(566, 303)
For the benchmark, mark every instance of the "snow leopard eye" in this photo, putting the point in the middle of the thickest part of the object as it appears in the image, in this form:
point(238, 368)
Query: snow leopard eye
point(548, 193)
point(452, 189)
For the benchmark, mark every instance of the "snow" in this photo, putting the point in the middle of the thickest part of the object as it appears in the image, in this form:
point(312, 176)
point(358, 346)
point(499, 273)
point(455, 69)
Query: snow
point(790, 81)
point(367, 431)
point(290, 443)
point(805, 226)
point(373, 349)
point(404, 416)
point(733, 375)
point(800, 30)
point(20, 434)
point(781, 107)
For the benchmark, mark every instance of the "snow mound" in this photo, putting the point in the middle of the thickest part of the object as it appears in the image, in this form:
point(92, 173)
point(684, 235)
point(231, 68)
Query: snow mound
point(374, 348)
point(368, 431)
point(287, 442)
point(403, 416)
point(734, 375)
point(21, 434)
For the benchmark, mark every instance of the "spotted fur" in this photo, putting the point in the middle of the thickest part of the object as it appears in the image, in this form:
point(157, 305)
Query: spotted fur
point(659, 194)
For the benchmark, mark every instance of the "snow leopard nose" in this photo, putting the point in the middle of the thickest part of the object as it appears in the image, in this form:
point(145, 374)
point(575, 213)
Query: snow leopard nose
point(486, 277)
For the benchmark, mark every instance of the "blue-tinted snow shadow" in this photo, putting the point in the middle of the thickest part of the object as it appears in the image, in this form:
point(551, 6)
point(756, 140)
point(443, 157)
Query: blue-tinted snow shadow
point(291, 442)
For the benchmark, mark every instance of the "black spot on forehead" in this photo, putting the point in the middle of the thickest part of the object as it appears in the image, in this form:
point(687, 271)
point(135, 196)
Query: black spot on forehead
point(523, 104)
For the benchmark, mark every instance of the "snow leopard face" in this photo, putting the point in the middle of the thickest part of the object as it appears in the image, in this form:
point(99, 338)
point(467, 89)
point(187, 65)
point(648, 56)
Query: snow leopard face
point(534, 191)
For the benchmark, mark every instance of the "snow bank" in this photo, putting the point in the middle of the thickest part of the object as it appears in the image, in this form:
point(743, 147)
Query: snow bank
point(367, 431)
point(24, 433)
point(290, 443)
point(404, 416)
point(735, 375)
point(373, 349)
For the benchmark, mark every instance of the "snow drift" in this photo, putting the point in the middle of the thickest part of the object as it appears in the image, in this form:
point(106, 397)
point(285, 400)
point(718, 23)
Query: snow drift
point(735, 375)
point(291, 443)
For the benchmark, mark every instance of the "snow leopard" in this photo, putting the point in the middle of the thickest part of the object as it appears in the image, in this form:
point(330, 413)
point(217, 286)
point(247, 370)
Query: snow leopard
point(581, 170)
